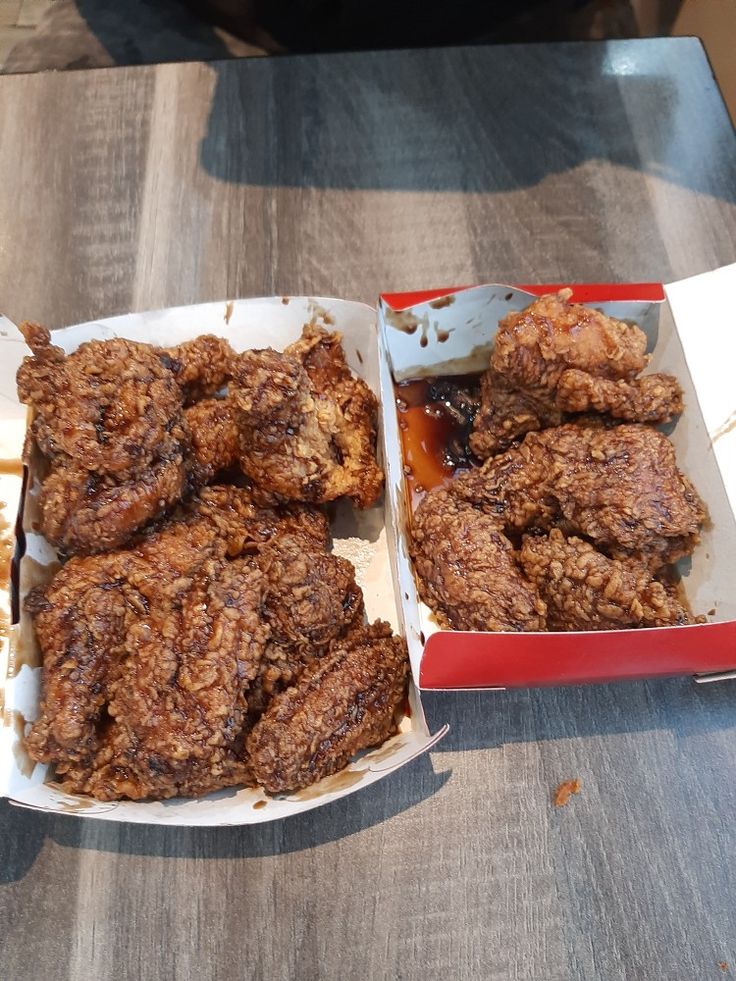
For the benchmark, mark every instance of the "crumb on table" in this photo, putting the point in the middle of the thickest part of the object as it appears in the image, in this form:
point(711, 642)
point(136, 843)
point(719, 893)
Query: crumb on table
point(565, 791)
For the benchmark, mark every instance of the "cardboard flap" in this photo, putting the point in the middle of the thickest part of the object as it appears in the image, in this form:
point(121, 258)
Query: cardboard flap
point(704, 312)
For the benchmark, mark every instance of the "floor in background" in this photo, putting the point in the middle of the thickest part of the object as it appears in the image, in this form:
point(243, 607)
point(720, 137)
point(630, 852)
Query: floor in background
point(44, 34)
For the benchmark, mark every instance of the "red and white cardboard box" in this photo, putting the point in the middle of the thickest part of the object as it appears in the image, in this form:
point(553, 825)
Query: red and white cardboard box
point(691, 331)
point(358, 536)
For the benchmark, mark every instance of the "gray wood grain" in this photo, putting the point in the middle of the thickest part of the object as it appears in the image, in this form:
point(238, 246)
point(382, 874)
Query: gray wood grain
point(134, 188)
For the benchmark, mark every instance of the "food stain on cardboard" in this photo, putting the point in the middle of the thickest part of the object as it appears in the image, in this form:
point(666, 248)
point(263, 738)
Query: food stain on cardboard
point(20, 751)
point(229, 306)
point(565, 791)
point(74, 804)
point(259, 804)
point(24, 649)
point(33, 573)
point(386, 751)
point(442, 301)
point(330, 785)
point(408, 323)
point(7, 548)
point(725, 428)
point(14, 467)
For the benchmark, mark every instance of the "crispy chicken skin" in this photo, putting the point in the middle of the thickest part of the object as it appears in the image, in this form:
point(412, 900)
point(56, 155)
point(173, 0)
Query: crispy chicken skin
point(84, 512)
point(312, 599)
point(585, 590)
point(533, 347)
point(468, 570)
point(302, 441)
point(342, 703)
point(109, 417)
point(652, 398)
point(201, 366)
point(214, 439)
point(108, 406)
point(506, 413)
point(559, 357)
point(132, 638)
point(619, 487)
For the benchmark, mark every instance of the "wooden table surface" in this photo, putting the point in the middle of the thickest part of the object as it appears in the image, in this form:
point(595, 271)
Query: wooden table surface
point(344, 175)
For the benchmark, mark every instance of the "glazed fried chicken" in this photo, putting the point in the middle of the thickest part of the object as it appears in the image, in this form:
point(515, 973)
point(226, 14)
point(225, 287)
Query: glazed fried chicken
point(83, 511)
point(214, 439)
point(201, 366)
point(559, 357)
point(342, 703)
point(149, 651)
point(312, 599)
point(619, 487)
point(468, 570)
point(585, 590)
point(651, 398)
point(110, 420)
point(308, 426)
point(507, 412)
point(107, 407)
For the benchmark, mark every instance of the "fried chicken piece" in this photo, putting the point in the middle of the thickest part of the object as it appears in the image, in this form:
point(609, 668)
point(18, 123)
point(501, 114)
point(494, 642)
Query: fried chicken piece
point(585, 590)
point(132, 637)
point(619, 486)
point(300, 443)
point(559, 357)
point(201, 366)
point(533, 347)
point(107, 406)
point(312, 596)
point(653, 398)
point(311, 599)
point(84, 512)
point(178, 704)
point(345, 702)
point(468, 570)
point(215, 439)
point(356, 409)
point(506, 413)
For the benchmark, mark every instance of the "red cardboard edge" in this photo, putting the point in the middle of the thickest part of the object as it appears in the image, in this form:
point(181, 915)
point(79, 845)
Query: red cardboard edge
point(466, 660)
point(581, 292)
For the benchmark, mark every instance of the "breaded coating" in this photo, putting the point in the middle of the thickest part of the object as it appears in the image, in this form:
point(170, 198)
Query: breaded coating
point(342, 703)
point(619, 486)
point(533, 347)
point(108, 406)
point(312, 596)
point(653, 398)
point(178, 704)
point(355, 410)
point(201, 366)
point(585, 590)
point(299, 442)
point(468, 570)
point(83, 512)
point(215, 439)
point(506, 413)
point(149, 651)
point(556, 358)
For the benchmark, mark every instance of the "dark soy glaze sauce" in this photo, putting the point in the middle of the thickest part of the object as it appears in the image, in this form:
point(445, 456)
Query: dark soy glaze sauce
point(435, 420)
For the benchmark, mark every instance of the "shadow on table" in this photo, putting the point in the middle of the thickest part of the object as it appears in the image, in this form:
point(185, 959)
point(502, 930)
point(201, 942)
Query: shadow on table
point(474, 119)
point(25, 831)
point(487, 719)
point(478, 720)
